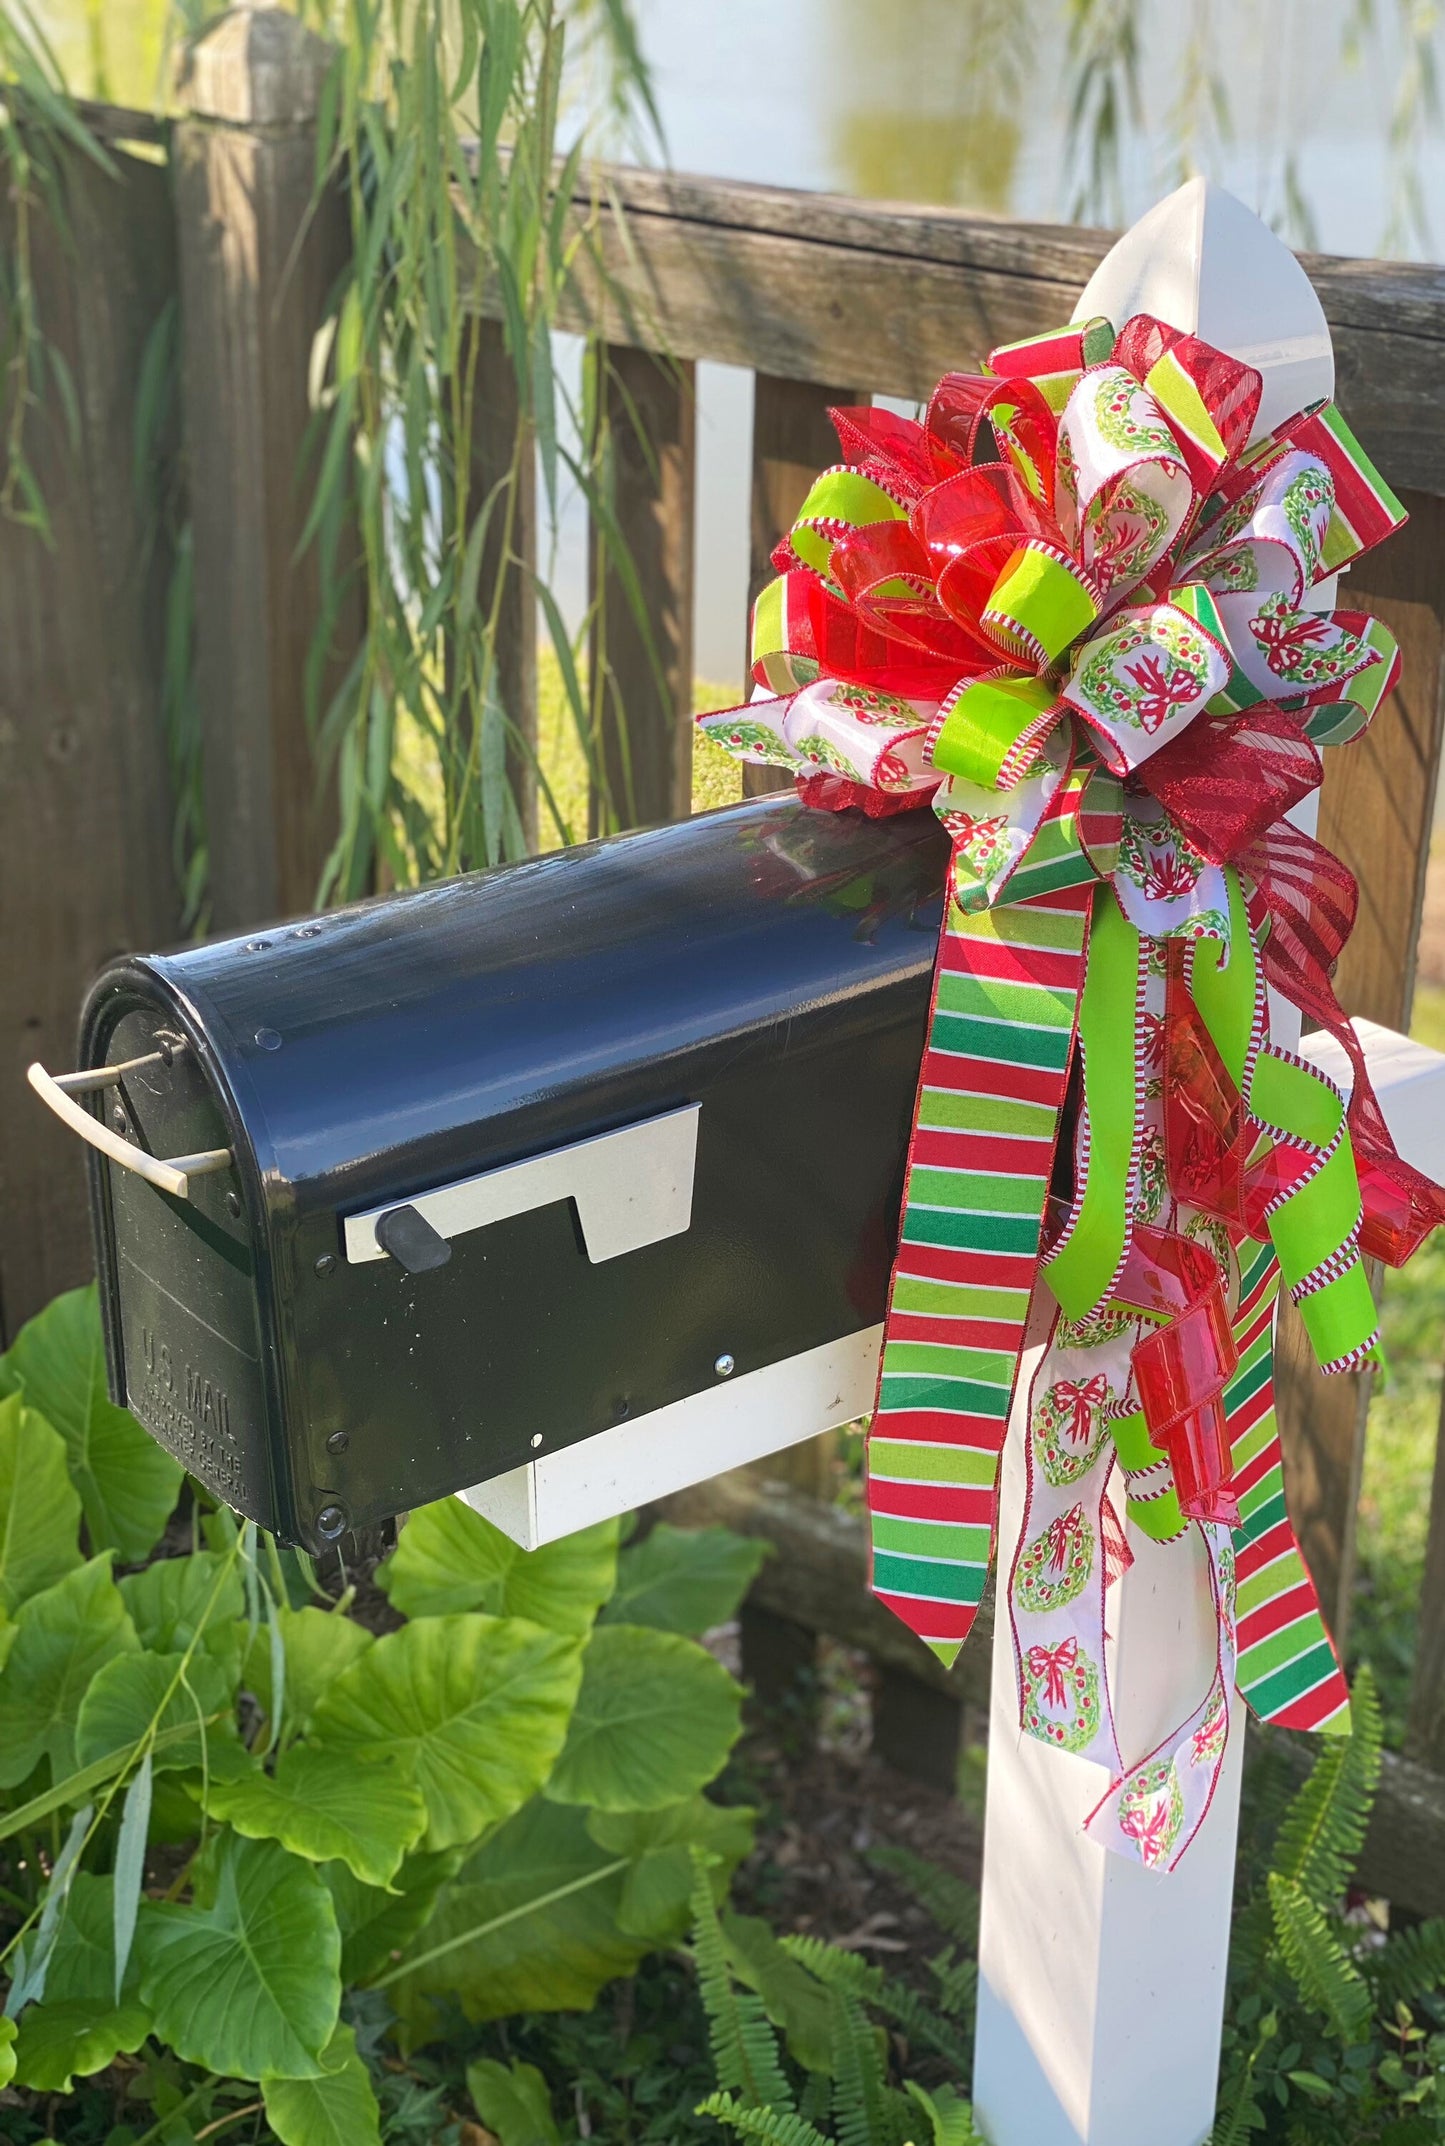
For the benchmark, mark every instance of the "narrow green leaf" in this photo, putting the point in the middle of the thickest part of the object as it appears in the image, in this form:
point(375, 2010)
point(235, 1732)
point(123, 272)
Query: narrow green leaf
point(83, 1782)
point(654, 1722)
point(7, 2052)
point(129, 1874)
point(30, 1978)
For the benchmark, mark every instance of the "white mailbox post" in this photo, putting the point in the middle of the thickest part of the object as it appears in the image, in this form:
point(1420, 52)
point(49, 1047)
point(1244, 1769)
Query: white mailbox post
point(1101, 1983)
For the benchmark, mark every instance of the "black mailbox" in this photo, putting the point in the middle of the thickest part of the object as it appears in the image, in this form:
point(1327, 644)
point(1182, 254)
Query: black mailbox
point(445, 1184)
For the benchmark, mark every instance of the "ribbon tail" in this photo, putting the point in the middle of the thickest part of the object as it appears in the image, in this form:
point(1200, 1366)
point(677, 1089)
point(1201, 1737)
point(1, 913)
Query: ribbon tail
point(1288, 1670)
point(986, 1118)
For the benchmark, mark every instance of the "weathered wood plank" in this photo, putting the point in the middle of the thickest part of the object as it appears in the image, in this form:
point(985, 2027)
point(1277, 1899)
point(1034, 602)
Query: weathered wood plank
point(490, 378)
point(791, 283)
point(792, 441)
point(1375, 813)
point(817, 1576)
point(85, 866)
point(259, 259)
point(641, 680)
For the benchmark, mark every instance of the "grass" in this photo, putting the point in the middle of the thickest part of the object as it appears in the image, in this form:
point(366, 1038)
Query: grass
point(716, 776)
point(1400, 1442)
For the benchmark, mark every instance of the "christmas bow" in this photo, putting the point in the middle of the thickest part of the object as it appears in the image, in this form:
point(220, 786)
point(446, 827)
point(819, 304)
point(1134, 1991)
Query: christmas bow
point(1076, 608)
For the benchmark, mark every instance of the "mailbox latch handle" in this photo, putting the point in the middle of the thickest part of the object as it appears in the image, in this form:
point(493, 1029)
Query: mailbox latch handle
point(171, 1173)
point(632, 1187)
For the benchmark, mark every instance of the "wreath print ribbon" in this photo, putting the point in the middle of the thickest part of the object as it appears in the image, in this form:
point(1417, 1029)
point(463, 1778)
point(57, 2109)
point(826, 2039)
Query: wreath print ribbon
point(1076, 609)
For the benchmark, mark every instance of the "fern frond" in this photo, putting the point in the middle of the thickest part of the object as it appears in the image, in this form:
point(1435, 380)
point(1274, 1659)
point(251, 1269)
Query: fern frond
point(1323, 1830)
point(839, 1970)
point(833, 1967)
point(773, 2127)
point(1244, 2114)
point(817, 2096)
point(950, 2116)
point(957, 1982)
point(1410, 1964)
point(952, 1903)
point(858, 2118)
point(744, 2047)
point(1323, 1973)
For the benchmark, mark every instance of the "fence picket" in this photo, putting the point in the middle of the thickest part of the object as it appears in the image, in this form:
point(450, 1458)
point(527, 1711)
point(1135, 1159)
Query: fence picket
point(641, 679)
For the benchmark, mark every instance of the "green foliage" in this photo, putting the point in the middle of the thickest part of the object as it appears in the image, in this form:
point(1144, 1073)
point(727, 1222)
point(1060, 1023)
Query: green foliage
point(478, 1706)
point(820, 1998)
point(654, 1720)
point(336, 2108)
point(328, 1806)
point(128, 1487)
point(1322, 2038)
point(64, 1636)
point(684, 1579)
point(441, 124)
point(512, 2100)
point(245, 1979)
point(391, 1814)
point(39, 1506)
point(449, 1559)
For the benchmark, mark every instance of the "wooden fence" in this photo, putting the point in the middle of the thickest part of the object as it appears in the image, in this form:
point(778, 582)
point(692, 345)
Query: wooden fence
point(822, 300)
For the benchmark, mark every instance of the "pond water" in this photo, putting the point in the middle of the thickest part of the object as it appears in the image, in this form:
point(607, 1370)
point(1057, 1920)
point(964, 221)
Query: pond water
point(1315, 112)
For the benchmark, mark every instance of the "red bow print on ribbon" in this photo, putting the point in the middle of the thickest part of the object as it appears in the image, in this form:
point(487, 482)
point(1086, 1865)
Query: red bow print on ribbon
point(1050, 1666)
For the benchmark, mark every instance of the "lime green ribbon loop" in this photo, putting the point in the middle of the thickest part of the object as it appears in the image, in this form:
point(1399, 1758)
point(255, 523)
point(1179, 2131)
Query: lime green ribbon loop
point(840, 497)
point(987, 723)
point(1313, 1228)
point(1083, 1264)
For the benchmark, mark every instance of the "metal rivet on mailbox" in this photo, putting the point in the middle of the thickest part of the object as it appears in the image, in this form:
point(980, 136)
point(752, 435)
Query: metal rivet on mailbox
point(331, 1522)
point(268, 1039)
point(725, 1366)
point(338, 1442)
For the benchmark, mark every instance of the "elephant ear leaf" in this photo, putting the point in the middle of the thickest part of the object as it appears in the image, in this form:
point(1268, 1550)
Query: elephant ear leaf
point(684, 1579)
point(63, 1637)
point(39, 1507)
point(246, 1980)
point(449, 1558)
point(328, 1806)
point(128, 1487)
point(512, 2101)
point(655, 1719)
point(478, 1706)
point(336, 2108)
point(83, 2024)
